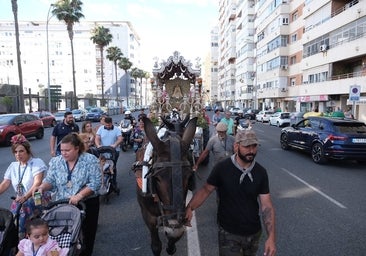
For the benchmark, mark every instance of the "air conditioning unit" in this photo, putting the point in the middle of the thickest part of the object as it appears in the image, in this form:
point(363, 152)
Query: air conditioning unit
point(323, 47)
point(284, 67)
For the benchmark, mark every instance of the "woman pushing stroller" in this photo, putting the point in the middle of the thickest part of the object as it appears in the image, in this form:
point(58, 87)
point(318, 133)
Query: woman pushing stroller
point(76, 175)
point(25, 174)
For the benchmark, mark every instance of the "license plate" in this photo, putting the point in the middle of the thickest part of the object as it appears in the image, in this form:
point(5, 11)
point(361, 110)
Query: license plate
point(356, 140)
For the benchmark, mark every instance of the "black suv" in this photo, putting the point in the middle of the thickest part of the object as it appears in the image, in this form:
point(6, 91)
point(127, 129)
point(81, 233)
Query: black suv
point(325, 138)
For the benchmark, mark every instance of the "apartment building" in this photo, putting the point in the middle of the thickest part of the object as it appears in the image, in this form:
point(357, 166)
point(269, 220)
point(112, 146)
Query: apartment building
point(227, 52)
point(34, 57)
point(214, 64)
point(306, 54)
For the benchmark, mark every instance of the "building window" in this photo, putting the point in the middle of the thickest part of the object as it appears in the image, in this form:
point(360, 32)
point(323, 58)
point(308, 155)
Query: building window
point(293, 81)
point(293, 37)
point(294, 16)
point(292, 60)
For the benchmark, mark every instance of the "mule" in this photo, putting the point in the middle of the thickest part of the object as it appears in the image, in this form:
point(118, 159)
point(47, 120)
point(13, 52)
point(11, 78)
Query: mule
point(168, 180)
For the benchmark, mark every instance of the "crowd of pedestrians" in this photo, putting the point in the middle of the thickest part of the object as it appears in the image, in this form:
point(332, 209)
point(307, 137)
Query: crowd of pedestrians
point(75, 173)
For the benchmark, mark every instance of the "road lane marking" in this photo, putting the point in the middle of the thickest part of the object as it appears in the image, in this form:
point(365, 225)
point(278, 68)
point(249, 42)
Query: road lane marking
point(315, 189)
point(193, 243)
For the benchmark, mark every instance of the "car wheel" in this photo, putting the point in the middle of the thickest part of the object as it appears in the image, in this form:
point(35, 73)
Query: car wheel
point(317, 153)
point(7, 141)
point(53, 124)
point(40, 134)
point(284, 141)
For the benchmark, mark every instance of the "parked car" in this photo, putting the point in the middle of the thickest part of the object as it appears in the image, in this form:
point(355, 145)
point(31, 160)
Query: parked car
point(325, 138)
point(95, 114)
point(59, 116)
point(280, 119)
point(220, 108)
point(27, 124)
point(250, 113)
point(47, 118)
point(296, 117)
point(78, 114)
point(263, 116)
point(234, 111)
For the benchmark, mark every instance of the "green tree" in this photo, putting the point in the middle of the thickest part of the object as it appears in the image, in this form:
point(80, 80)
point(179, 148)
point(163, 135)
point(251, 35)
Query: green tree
point(114, 54)
point(14, 5)
point(70, 12)
point(7, 102)
point(101, 36)
point(125, 64)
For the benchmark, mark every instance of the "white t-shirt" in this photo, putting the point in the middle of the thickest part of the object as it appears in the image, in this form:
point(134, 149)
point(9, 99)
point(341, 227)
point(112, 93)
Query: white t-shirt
point(15, 172)
point(109, 137)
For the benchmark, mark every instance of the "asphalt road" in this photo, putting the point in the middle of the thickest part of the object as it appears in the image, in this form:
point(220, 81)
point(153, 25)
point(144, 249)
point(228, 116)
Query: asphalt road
point(320, 209)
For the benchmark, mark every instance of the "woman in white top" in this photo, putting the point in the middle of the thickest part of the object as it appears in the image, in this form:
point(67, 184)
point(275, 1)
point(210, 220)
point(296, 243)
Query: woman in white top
point(25, 174)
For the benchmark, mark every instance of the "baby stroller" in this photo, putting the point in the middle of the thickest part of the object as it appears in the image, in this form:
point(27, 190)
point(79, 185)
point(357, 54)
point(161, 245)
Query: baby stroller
point(64, 221)
point(8, 232)
point(109, 183)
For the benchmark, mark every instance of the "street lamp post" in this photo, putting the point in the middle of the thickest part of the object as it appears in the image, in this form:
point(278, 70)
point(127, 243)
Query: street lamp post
point(48, 59)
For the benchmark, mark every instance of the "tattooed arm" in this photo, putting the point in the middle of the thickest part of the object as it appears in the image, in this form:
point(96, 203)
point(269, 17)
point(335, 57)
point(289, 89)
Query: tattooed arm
point(268, 217)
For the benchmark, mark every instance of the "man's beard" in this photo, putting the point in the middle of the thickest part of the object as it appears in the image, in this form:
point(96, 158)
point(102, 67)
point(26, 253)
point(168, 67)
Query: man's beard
point(70, 121)
point(247, 158)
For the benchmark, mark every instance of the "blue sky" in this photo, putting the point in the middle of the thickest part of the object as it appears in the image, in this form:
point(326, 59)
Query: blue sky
point(163, 25)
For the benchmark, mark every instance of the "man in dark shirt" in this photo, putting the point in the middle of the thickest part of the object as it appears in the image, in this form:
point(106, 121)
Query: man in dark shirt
point(61, 130)
point(243, 190)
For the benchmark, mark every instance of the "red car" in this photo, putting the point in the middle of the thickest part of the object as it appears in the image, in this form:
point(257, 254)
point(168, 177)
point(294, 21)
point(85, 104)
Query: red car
point(27, 124)
point(49, 120)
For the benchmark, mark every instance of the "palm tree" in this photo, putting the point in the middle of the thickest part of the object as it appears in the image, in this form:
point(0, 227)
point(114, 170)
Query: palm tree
point(14, 5)
point(125, 64)
point(69, 11)
point(115, 54)
point(135, 74)
point(101, 37)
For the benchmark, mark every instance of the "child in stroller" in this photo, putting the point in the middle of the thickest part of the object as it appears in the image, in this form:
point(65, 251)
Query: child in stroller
point(107, 167)
point(38, 241)
point(109, 170)
point(65, 221)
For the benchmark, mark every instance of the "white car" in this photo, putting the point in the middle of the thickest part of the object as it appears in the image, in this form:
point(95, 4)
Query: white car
point(59, 116)
point(263, 116)
point(280, 119)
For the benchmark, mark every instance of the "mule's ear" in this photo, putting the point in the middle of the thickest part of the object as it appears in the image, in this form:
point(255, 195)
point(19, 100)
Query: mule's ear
point(189, 131)
point(151, 132)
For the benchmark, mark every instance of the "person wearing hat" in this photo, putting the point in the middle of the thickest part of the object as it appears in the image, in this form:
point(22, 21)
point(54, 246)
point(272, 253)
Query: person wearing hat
point(221, 145)
point(243, 188)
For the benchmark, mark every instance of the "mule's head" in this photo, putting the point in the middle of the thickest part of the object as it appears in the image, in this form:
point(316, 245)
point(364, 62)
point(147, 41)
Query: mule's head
point(171, 173)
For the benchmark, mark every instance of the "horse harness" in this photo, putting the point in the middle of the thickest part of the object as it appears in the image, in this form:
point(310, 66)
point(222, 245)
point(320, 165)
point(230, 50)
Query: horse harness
point(176, 165)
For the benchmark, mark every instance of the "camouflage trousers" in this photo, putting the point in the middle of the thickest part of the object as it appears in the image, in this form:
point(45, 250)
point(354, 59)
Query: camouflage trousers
point(235, 245)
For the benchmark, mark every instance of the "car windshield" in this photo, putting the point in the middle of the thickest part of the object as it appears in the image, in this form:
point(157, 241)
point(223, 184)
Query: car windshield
point(350, 128)
point(76, 111)
point(5, 119)
point(285, 115)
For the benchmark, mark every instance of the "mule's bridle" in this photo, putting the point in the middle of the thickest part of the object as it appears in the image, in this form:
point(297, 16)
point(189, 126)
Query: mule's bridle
point(178, 200)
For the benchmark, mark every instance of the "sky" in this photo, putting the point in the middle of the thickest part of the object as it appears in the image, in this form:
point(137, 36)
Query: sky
point(164, 26)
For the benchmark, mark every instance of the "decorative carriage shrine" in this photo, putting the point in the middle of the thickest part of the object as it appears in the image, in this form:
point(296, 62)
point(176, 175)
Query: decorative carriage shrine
point(177, 85)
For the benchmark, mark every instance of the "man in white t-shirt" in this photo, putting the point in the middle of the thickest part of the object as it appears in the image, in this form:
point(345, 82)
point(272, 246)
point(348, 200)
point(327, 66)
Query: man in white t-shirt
point(109, 135)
